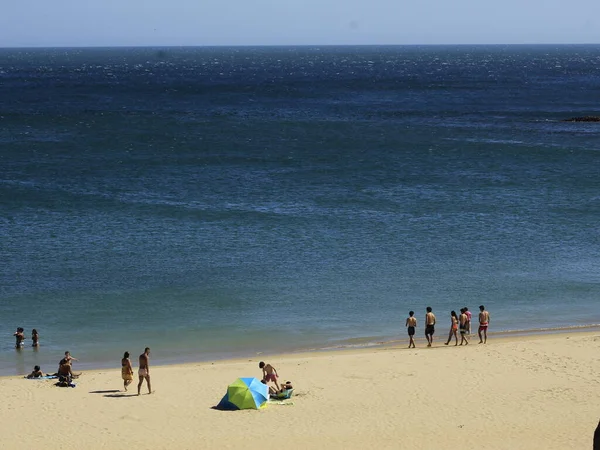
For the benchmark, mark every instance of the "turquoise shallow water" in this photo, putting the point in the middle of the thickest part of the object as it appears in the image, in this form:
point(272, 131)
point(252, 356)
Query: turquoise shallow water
point(221, 202)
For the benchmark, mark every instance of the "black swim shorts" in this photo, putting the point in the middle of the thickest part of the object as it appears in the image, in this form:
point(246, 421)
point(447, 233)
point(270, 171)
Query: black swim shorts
point(411, 331)
point(429, 329)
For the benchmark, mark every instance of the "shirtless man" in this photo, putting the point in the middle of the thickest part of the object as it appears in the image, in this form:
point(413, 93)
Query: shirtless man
point(484, 322)
point(411, 324)
point(269, 373)
point(144, 370)
point(19, 337)
point(429, 326)
point(65, 370)
point(463, 321)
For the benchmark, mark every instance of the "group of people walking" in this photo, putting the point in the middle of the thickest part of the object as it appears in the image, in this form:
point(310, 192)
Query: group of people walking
point(143, 370)
point(458, 323)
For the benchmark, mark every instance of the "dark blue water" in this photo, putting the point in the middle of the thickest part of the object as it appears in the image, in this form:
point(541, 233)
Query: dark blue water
point(214, 202)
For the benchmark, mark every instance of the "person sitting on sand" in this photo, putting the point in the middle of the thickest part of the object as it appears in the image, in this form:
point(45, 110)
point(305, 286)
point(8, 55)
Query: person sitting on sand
point(286, 386)
point(19, 337)
point(126, 370)
point(37, 373)
point(269, 373)
point(411, 324)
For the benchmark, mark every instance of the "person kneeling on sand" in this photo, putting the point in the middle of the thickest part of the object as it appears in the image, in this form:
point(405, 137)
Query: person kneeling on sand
point(37, 373)
point(269, 373)
point(65, 371)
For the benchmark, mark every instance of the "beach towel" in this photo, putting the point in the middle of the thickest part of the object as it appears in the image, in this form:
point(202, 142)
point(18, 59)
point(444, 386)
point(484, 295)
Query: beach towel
point(45, 377)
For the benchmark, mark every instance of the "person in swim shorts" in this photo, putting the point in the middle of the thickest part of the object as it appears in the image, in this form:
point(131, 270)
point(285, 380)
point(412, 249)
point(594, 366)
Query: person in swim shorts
point(411, 324)
point(484, 322)
point(269, 373)
point(144, 370)
point(463, 321)
point(429, 326)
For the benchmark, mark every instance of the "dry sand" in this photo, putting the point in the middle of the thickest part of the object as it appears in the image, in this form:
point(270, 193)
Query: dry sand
point(535, 392)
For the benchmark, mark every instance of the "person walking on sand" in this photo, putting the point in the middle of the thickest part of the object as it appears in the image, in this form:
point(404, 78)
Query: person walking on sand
point(469, 315)
point(463, 321)
point(126, 370)
point(411, 324)
point(429, 326)
point(453, 328)
point(144, 370)
point(484, 322)
point(269, 373)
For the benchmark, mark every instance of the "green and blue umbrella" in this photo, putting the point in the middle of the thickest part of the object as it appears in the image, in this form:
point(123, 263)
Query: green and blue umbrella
point(245, 393)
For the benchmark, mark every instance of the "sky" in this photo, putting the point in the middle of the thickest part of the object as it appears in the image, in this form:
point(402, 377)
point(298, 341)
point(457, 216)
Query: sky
point(49, 23)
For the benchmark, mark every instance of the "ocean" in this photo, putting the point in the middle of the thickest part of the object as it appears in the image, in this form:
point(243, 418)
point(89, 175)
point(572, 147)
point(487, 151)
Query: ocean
point(226, 202)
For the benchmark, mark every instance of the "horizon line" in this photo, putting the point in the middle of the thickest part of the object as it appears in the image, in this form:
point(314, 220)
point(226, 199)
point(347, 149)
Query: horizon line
point(18, 47)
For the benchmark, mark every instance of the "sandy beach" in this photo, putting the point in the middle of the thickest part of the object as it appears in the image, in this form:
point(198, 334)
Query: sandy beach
point(533, 392)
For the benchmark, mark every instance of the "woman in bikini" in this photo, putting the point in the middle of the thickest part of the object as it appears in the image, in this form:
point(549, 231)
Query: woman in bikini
point(453, 328)
point(126, 370)
point(35, 338)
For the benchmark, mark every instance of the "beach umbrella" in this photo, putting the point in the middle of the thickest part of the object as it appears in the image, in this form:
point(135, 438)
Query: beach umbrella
point(247, 393)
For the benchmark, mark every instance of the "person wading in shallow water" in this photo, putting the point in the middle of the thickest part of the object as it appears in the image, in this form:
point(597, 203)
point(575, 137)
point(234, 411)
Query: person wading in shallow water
point(144, 370)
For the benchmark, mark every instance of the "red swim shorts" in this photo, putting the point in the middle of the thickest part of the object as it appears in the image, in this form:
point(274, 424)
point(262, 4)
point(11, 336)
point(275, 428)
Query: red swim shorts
point(271, 377)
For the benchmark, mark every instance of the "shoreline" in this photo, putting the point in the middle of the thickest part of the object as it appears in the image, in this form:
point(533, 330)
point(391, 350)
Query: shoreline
point(396, 344)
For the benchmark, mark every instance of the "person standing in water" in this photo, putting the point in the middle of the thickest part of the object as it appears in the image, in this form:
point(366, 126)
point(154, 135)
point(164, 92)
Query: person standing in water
point(453, 328)
point(484, 322)
point(126, 370)
point(411, 324)
point(429, 326)
point(144, 370)
point(19, 338)
point(35, 338)
point(463, 323)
